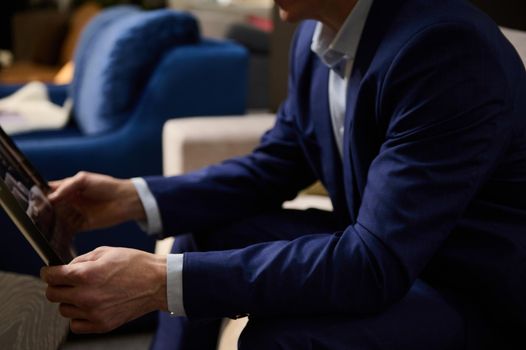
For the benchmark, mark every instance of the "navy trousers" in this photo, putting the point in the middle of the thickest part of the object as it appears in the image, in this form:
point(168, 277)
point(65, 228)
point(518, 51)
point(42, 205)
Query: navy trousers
point(425, 318)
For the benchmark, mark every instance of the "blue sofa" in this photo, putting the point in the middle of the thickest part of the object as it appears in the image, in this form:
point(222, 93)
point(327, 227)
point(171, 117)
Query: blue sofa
point(134, 70)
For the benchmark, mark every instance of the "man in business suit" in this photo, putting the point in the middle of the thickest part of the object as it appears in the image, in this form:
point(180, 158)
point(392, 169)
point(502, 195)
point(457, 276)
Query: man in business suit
point(412, 113)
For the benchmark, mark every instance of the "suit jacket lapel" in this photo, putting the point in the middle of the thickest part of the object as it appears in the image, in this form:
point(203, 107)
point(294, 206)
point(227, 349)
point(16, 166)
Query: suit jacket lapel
point(330, 160)
point(349, 171)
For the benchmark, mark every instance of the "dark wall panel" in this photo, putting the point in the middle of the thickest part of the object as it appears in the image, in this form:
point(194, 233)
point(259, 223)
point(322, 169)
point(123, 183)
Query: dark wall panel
point(508, 13)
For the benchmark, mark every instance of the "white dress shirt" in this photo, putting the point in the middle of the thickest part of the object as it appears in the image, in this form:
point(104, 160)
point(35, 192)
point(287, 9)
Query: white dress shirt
point(337, 51)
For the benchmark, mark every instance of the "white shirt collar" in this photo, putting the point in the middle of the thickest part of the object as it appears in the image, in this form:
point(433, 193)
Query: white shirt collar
point(332, 47)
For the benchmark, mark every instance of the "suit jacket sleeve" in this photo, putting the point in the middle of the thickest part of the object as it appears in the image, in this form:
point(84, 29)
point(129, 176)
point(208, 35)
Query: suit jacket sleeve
point(444, 100)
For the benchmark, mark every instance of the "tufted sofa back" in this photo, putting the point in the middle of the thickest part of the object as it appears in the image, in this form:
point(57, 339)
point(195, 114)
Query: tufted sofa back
point(116, 54)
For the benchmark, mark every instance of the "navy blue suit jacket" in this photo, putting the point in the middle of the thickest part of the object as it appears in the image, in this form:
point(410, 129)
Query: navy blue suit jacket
point(432, 183)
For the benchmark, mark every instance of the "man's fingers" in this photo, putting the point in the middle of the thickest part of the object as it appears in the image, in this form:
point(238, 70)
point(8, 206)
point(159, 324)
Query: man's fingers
point(77, 272)
point(55, 184)
point(66, 295)
point(67, 187)
point(83, 258)
point(82, 326)
point(72, 311)
point(64, 275)
point(91, 256)
point(59, 189)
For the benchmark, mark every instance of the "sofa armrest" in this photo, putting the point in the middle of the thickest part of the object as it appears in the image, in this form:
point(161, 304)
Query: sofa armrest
point(192, 143)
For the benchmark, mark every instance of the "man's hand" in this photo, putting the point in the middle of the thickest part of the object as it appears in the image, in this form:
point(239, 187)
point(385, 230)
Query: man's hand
point(101, 200)
point(103, 289)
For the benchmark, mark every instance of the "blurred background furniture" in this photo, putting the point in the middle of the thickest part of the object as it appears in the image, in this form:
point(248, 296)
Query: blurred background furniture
point(217, 16)
point(43, 43)
point(27, 319)
point(256, 25)
point(41, 35)
point(257, 42)
point(134, 70)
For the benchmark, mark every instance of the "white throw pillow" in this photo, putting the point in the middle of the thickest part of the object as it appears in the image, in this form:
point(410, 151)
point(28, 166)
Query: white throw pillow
point(29, 109)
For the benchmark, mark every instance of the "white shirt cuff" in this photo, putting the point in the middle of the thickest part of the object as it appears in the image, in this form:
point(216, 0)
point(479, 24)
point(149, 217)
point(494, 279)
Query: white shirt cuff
point(153, 224)
point(174, 286)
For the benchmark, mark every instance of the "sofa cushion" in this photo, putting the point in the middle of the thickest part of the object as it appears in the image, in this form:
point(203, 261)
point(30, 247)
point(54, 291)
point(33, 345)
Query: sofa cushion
point(117, 53)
